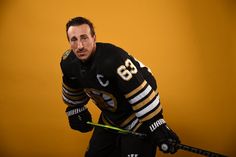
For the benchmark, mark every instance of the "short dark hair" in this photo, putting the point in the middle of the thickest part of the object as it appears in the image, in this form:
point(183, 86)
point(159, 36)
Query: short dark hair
point(76, 21)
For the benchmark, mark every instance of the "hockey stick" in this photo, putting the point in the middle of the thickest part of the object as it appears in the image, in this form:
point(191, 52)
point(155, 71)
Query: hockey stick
point(164, 146)
point(119, 130)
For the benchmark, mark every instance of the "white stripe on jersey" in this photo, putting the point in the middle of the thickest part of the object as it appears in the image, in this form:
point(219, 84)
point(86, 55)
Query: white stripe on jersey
point(131, 126)
point(68, 101)
point(141, 95)
point(149, 107)
point(70, 93)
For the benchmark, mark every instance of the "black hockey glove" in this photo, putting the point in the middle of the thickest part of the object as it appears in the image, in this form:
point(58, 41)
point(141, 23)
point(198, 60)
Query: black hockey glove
point(78, 118)
point(161, 135)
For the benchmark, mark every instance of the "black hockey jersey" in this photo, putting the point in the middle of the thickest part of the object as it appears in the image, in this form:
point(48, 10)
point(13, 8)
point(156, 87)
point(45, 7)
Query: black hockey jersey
point(121, 86)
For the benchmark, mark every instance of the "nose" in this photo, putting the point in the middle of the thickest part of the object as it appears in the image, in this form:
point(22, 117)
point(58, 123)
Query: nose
point(80, 46)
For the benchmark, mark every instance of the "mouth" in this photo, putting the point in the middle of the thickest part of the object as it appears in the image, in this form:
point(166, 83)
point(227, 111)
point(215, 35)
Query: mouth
point(81, 53)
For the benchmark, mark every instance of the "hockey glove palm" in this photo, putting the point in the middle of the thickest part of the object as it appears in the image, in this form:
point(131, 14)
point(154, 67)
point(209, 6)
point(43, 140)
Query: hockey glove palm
point(78, 118)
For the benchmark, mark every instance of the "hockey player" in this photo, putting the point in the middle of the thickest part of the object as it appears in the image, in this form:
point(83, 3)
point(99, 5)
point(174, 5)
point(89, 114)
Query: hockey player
point(121, 86)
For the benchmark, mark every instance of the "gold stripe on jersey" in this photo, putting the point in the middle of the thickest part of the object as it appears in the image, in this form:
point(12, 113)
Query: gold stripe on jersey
point(75, 97)
point(136, 90)
point(130, 123)
point(72, 93)
point(144, 102)
point(73, 103)
point(131, 117)
point(141, 96)
point(151, 115)
point(149, 108)
point(137, 126)
point(79, 90)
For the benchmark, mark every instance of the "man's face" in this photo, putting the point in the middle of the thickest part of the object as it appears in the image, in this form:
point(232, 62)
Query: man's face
point(81, 41)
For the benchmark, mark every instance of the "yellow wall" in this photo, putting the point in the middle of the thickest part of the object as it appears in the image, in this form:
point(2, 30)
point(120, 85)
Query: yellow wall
point(189, 45)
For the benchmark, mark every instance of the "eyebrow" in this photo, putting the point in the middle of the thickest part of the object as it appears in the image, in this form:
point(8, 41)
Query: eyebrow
point(83, 35)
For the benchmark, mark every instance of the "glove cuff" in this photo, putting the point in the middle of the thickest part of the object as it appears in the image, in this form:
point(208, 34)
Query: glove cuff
point(153, 126)
point(75, 111)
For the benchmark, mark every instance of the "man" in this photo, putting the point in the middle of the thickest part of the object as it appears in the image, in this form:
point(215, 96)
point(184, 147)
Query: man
point(122, 87)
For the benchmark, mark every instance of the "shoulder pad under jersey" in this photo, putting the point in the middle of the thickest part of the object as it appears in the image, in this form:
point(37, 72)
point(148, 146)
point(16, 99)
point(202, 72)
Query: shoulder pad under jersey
point(66, 54)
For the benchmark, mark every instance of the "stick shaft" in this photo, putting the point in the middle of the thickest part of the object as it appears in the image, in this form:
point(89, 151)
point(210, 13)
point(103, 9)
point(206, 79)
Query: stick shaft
point(197, 150)
point(178, 145)
point(119, 130)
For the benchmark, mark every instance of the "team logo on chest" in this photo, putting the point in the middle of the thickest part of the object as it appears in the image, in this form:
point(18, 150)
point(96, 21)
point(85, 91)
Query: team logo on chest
point(102, 80)
point(104, 100)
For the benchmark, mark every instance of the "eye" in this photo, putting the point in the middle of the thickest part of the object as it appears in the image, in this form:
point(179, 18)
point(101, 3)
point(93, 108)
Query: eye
point(73, 39)
point(83, 37)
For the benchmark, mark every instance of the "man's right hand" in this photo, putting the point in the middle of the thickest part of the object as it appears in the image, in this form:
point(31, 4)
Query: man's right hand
point(78, 117)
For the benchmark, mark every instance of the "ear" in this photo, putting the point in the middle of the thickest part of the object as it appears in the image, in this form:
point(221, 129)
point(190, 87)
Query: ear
point(94, 38)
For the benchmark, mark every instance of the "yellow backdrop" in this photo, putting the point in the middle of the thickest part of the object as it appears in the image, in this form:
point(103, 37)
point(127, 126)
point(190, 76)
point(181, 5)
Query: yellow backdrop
point(189, 45)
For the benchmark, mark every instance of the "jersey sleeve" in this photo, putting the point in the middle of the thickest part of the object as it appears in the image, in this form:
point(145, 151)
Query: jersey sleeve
point(73, 96)
point(137, 85)
point(72, 93)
